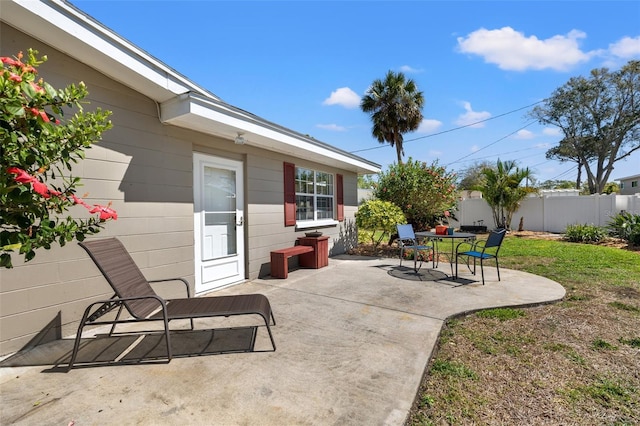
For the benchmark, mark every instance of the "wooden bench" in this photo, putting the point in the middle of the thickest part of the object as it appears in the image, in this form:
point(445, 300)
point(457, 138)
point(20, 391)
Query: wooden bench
point(279, 259)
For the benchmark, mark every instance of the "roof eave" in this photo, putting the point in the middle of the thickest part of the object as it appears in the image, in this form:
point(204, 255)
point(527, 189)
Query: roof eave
point(183, 103)
point(214, 117)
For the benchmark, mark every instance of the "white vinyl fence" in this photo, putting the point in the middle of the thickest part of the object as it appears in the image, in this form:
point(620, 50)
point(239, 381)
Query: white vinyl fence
point(551, 213)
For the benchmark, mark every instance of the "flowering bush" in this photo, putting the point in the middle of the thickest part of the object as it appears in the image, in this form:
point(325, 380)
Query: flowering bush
point(422, 191)
point(38, 147)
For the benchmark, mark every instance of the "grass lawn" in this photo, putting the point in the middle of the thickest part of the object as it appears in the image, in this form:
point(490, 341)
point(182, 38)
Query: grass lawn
point(573, 362)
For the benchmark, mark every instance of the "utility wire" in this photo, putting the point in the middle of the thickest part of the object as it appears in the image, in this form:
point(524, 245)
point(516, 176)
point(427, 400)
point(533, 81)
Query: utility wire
point(492, 143)
point(454, 129)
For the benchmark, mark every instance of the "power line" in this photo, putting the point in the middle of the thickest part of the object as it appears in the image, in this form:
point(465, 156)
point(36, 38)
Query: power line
point(492, 143)
point(454, 129)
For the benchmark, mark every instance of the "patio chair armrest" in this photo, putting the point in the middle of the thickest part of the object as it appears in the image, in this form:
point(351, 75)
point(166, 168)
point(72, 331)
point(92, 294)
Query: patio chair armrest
point(107, 305)
point(185, 282)
point(472, 245)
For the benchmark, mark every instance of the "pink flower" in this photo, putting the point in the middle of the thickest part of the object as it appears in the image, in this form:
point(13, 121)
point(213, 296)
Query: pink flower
point(37, 88)
point(15, 77)
point(80, 201)
point(10, 61)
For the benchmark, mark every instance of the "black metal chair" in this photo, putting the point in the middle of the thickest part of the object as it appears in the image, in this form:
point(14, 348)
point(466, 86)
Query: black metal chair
point(483, 250)
point(407, 241)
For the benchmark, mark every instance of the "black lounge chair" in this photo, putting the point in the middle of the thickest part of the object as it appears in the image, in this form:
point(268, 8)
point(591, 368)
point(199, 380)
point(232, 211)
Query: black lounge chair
point(134, 292)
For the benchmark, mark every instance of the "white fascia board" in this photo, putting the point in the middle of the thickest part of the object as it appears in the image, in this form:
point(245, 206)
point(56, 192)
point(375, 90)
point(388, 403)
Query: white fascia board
point(213, 117)
point(62, 26)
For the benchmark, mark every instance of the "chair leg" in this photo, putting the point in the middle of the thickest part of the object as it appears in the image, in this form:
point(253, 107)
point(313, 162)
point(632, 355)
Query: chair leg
point(76, 344)
point(498, 268)
point(482, 270)
point(166, 335)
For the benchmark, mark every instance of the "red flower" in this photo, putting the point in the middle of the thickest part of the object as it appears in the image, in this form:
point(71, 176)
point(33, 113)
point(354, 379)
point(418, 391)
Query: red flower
point(21, 175)
point(42, 114)
point(105, 212)
point(42, 189)
point(15, 77)
point(24, 177)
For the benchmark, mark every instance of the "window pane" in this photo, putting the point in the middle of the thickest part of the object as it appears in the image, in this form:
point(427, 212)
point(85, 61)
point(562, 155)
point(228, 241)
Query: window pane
point(304, 181)
point(325, 208)
point(324, 183)
point(304, 207)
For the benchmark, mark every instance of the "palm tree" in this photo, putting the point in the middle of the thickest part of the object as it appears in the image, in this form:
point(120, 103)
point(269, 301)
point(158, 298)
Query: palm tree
point(502, 191)
point(395, 106)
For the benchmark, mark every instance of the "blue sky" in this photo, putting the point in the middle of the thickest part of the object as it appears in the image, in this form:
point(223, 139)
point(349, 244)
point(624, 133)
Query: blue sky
point(305, 65)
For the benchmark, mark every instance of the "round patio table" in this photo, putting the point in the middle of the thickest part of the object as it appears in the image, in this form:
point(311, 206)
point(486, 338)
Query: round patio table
point(439, 238)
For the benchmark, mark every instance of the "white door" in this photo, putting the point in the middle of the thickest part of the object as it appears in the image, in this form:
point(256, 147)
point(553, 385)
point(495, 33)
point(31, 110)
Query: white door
point(219, 222)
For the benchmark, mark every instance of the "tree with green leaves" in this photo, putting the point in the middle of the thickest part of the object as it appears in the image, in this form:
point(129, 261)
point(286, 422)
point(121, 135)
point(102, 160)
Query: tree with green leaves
point(395, 106)
point(557, 184)
point(472, 178)
point(503, 191)
point(599, 116)
point(38, 147)
point(566, 151)
point(423, 192)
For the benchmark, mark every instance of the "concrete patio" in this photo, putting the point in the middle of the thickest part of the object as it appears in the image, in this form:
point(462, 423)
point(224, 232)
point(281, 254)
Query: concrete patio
point(353, 340)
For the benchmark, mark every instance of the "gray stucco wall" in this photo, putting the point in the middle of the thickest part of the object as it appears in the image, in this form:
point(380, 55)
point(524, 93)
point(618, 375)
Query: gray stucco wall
point(144, 168)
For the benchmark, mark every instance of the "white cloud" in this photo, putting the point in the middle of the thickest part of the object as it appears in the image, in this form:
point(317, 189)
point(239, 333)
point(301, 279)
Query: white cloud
point(552, 131)
point(343, 96)
point(512, 50)
point(409, 69)
point(475, 148)
point(524, 134)
point(429, 126)
point(626, 48)
point(332, 127)
point(471, 117)
point(434, 153)
point(542, 146)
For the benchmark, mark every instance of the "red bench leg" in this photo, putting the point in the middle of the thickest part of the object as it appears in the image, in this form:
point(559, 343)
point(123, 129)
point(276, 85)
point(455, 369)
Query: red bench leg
point(279, 265)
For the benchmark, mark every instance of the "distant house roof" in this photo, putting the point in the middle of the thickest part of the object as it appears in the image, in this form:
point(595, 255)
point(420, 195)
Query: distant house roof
point(628, 178)
point(181, 102)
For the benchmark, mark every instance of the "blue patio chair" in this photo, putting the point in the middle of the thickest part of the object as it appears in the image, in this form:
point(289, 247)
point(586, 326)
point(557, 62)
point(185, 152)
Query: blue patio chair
point(483, 250)
point(407, 241)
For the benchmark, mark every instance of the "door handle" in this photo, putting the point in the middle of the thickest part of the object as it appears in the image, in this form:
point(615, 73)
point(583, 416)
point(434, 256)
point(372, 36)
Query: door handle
point(240, 221)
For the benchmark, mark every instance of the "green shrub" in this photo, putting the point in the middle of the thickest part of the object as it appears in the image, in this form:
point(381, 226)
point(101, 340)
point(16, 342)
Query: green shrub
point(626, 226)
point(378, 215)
point(580, 233)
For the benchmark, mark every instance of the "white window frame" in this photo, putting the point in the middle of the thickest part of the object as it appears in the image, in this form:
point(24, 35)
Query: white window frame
point(315, 221)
